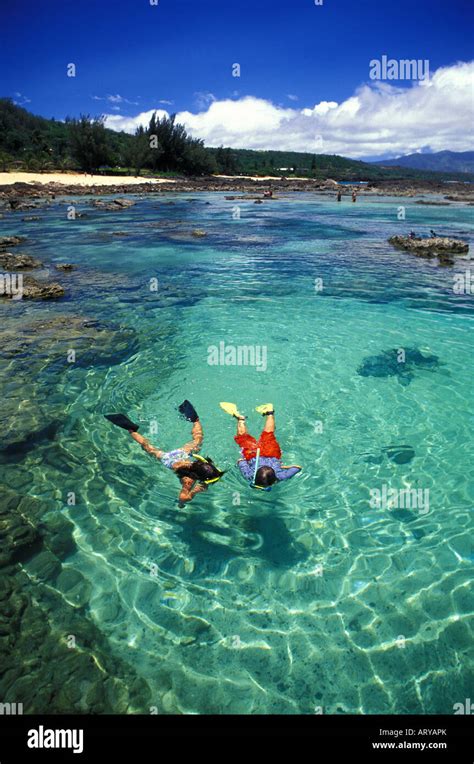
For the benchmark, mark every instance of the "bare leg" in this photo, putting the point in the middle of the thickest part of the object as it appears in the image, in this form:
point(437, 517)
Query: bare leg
point(241, 426)
point(269, 423)
point(146, 445)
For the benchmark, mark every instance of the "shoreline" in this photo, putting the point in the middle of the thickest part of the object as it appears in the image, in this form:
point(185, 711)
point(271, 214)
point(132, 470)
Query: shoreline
point(22, 186)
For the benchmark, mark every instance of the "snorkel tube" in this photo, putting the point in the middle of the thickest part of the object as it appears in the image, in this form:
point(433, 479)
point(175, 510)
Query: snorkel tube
point(253, 483)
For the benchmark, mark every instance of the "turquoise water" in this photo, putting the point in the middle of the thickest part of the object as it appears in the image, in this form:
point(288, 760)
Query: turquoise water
point(306, 597)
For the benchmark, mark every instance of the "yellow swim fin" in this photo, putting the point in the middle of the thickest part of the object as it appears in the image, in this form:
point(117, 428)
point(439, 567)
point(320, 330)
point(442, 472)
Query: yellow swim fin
point(265, 408)
point(230, 408)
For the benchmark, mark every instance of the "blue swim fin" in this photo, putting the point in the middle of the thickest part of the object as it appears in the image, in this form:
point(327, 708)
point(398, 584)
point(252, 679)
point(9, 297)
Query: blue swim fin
point(188, 411)
point(120, 420)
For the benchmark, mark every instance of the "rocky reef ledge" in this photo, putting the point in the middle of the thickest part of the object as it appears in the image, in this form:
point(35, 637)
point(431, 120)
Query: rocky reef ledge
point(21, 195)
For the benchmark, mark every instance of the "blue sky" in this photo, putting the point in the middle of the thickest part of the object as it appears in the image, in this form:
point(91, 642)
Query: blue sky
point(181, 50)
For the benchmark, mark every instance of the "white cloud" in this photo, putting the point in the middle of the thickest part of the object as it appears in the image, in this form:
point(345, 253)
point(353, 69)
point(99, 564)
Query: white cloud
point(114, 99)
point(292, 97)
point(22, 99)
point(129, 124)
point(378, 119)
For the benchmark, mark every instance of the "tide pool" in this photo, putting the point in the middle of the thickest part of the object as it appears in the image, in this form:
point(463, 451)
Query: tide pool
point(307, 597)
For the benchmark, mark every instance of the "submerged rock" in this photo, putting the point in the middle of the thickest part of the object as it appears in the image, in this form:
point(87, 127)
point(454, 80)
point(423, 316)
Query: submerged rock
point(180, 235)
point(387, 364)
point(26, 419)
point(433, 203)
point(399, 454)
point(44, 566)
point(53, 658)
point(74, 586)
point(35, 355)
point(49, 339)
point(19, 539)
point(65, 267)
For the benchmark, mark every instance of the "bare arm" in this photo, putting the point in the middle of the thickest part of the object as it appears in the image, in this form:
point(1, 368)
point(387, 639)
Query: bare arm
point(198, 489)
point(187, 492)
point(198, 437)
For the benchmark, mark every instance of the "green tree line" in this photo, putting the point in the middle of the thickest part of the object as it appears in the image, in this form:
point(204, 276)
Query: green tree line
point(37, 144)
point(85, 143)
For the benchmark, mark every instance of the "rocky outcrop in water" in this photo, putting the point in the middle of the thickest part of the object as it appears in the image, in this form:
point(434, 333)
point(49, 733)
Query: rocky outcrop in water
point(38, 290)
point(436, 246)
point(20, 205)
point(11, 262)
point(65, 267)
point(114, 204)
point(10, 241)
point(432, 203)
point(31, 288)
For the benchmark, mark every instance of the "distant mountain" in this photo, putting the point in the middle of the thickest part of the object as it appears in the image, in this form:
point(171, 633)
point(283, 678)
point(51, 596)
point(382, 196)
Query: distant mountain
point(441, 161)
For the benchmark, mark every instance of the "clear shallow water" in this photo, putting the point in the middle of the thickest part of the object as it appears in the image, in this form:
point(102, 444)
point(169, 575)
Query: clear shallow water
point(269, 603)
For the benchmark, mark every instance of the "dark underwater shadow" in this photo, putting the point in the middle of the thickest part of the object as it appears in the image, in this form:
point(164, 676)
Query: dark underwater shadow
point(212, 545)
point(391, 363)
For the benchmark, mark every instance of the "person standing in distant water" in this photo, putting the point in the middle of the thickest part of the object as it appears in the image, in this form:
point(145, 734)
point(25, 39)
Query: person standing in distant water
point(339, 195)
point(354, 196)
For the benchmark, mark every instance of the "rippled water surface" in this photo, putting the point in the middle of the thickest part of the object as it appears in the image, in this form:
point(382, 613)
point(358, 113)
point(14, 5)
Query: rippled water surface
point(307, 596)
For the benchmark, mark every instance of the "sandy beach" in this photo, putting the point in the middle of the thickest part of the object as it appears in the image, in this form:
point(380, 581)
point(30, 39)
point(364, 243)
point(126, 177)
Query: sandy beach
point(81, 179)
point(76, 179)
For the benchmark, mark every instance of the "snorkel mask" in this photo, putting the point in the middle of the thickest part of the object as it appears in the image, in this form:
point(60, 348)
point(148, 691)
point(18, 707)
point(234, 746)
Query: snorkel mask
point(253, 484)
point(207, 460)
